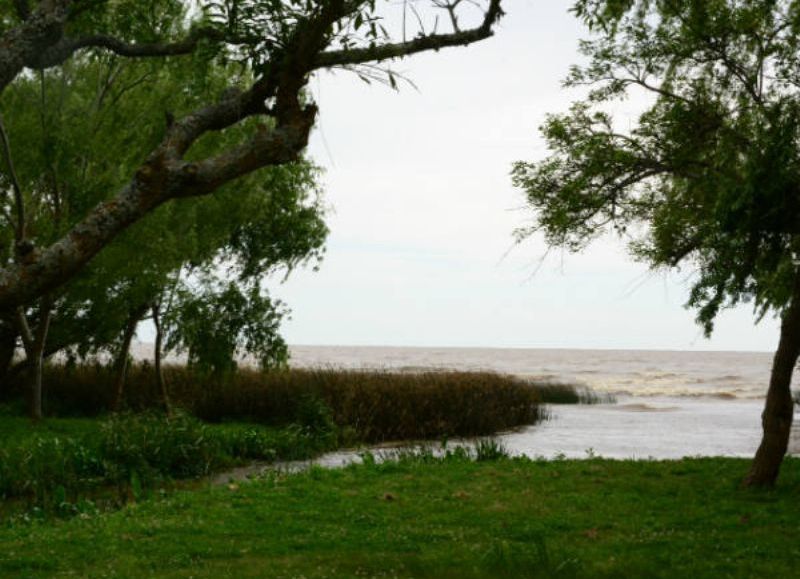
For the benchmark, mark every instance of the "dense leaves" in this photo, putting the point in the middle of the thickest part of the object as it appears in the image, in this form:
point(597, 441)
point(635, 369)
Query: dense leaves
point(81, 130)
point(708, 176)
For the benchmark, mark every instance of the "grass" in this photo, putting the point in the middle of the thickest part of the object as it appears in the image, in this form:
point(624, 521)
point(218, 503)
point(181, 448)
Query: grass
point(62, 462)
point(561, 393)
point(423, 517)
point(375, 406)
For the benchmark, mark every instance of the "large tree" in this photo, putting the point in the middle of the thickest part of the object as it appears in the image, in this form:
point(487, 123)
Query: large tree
point(81, 125)
point(709, 176)
point(277, 43)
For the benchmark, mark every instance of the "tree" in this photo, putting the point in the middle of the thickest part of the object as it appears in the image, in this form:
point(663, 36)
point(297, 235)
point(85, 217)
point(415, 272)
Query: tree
point(278, 45)
point(269, 220)
point(709, 176)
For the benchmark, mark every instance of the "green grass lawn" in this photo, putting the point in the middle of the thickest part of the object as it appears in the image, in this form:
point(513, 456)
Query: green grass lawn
point(438, 518)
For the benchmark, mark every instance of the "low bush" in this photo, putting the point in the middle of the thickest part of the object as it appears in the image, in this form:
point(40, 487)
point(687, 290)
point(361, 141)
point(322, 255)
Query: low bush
point(137, 452)
point(43, 467)
point(149, 446)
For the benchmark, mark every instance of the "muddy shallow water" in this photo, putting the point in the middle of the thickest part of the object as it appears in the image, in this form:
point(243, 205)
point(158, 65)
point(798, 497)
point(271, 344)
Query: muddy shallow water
point(658, 428)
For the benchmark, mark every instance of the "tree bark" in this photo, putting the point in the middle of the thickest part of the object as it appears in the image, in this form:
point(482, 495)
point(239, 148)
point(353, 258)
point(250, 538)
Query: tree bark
point(165, 175)
point(160, 382)
point(34, 344)
point(778, 412)
point(8, 347)
point(121, 362)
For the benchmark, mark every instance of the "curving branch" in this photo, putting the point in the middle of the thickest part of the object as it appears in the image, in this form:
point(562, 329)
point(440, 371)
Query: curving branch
point(66, 47)
point(165, 175)
point(40, 30)
point(420, 44)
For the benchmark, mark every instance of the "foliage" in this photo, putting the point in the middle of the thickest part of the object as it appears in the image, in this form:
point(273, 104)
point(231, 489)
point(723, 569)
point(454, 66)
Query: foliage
point(221, 322)
point(270, 221)
point(237, 102)
point(708, 174)
point(146, 446)
point(62, 462)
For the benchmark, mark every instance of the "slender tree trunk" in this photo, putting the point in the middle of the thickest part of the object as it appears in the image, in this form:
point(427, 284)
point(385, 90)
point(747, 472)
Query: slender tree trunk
point(162, 385)
point(34, 351)
point(8, 346)
point(35, 409)
point(121, 363)
point(779, 408)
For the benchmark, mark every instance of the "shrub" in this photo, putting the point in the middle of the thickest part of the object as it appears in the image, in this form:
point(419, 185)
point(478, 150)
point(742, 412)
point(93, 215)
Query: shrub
point(149, 446)
point(41, 465)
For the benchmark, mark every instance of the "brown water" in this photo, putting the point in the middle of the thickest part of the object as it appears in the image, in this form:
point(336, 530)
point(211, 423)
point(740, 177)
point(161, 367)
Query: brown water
point(622, 372)
point(669, 404)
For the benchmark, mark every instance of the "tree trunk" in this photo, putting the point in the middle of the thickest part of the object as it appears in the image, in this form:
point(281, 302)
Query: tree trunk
point(35, 409)
point(8, 346)
point(121, 363)
point(162, 385)
point(779, 408)
point(34, 350)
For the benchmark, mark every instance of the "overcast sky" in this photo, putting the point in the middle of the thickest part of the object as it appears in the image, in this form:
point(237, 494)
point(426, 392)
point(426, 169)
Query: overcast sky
point(423, 211)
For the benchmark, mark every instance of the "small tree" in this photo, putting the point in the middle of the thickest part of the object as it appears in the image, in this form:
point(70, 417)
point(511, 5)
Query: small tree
point(711, 170)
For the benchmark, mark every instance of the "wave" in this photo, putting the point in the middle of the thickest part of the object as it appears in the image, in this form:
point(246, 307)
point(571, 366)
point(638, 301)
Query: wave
point(641, 407)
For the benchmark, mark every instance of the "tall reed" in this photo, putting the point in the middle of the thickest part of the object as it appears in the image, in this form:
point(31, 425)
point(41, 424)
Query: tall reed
point(374, 405)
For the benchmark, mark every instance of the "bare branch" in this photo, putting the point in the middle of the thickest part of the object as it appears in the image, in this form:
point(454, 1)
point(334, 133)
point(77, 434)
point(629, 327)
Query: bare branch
point(420, 44)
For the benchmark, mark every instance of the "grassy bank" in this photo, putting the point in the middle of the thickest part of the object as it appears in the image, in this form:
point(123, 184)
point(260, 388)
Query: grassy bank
point(60, 464)
point(439, 518)
point(374, 406)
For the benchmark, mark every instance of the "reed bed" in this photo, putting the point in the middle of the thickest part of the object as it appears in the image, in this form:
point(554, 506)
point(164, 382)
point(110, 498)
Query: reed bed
point(373, 405)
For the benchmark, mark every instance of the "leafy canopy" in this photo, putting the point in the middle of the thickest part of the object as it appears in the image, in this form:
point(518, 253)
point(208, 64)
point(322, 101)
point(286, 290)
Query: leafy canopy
point(78, 131)
point(709, 174)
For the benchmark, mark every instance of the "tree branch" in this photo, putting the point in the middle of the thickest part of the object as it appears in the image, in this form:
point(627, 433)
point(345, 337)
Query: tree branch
point(158, 180)
point(19, 228)
point(42, 29)
point(165, 175)
point(420, 44)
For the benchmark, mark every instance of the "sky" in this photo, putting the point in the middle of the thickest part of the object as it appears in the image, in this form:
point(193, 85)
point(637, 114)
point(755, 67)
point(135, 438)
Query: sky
point(422, 213)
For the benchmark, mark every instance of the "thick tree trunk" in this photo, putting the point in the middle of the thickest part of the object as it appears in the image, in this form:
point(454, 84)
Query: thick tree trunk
point(162, 384)
point(779, 408)
point(121, 362)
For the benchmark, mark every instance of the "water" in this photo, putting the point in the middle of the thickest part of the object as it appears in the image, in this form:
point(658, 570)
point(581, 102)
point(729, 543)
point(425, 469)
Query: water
point(621, 372)
point(669, 404)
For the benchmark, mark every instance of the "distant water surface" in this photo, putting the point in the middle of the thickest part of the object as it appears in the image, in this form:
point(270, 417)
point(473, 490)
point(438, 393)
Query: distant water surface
point(622, 372)
point(669, 404)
